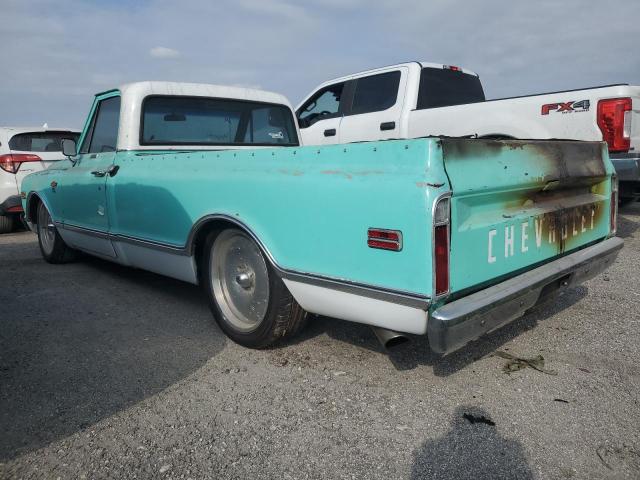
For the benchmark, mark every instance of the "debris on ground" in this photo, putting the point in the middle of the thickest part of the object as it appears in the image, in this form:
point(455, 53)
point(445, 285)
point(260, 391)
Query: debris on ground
point(518, 363)
point(478, 419)
point(560, 400)
point(625, 454)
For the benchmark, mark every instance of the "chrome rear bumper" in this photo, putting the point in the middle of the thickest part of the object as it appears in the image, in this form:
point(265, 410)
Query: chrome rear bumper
point(457, 323)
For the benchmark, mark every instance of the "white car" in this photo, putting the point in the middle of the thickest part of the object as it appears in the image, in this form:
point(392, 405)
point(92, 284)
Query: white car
point(24, 151)
point(419, 99)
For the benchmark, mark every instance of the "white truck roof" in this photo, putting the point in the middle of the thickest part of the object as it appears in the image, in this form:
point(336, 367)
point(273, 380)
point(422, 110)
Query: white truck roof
point(442, 65)
point(398, 65)
point(133, 94)
point(381, 69)
point(136, 91)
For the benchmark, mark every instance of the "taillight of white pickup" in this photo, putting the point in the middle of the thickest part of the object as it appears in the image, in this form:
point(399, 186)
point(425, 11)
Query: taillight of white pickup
point(614, 120)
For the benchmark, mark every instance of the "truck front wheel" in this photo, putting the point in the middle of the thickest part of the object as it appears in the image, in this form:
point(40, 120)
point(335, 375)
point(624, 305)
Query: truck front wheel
point(52, 246)
point(249, 301)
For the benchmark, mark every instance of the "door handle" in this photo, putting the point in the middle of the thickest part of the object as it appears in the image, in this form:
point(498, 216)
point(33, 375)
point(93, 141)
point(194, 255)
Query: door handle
point(387, 126)
point(111, 171)
point(330, 132)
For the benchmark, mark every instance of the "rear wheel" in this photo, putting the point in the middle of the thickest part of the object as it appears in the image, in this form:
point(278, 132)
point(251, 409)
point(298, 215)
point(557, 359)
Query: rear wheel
point(52, 247)
point(249, 301)
point(6, 224)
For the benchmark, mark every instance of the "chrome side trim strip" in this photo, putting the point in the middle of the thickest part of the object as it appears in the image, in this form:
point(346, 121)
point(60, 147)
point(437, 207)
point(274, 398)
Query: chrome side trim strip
point(370, 291)
point(149, 244)
point(378, 293)
point(357, 308)
point(84, 230)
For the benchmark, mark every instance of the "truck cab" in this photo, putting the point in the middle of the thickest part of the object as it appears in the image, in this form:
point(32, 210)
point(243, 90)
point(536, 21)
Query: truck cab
point(376, 104)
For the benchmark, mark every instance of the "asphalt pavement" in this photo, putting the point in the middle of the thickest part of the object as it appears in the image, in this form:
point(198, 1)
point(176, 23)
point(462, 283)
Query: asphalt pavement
point(111, 372)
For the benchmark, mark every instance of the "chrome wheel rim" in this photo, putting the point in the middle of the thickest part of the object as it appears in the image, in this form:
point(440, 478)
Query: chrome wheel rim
point(240, 280)
point(46, 230)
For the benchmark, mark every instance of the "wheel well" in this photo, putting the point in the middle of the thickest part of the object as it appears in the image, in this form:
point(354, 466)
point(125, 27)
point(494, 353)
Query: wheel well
point(32, 209)
point(199, 240)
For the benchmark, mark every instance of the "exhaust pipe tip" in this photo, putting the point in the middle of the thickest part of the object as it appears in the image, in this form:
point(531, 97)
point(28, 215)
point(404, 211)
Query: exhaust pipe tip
point(390, 339)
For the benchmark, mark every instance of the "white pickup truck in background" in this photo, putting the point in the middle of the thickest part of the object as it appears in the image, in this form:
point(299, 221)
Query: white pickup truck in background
point(418, 99)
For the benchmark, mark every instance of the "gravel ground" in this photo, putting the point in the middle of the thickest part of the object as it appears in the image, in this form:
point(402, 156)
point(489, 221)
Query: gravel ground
point(109, 372)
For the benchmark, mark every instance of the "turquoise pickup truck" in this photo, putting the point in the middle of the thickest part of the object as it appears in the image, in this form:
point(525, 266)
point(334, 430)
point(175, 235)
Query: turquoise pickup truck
point(446, 237)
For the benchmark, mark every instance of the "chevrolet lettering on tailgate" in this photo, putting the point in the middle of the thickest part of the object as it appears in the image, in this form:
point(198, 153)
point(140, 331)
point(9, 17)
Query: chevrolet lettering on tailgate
point(554, 230)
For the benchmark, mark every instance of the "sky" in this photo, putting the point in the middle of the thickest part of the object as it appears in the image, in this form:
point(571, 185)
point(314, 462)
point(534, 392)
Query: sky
point(56, 55)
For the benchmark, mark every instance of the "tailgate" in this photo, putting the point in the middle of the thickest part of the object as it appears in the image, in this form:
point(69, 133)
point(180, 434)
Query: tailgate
point(519, 203)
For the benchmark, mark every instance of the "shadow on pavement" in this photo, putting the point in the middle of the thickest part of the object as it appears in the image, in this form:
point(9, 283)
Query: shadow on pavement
point(472, 449)
point(82, 341)
point(417, 352)
point(627, 224)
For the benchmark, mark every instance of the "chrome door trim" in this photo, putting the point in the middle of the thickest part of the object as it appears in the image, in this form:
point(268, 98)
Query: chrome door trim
point(400, 297)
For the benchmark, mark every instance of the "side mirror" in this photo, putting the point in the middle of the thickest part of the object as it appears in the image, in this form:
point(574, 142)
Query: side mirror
point(69, 147)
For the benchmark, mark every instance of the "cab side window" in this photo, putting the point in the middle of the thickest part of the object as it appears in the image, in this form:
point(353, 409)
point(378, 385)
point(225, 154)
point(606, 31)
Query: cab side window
point(324, 104)
point(375, 93)
point(103, 132)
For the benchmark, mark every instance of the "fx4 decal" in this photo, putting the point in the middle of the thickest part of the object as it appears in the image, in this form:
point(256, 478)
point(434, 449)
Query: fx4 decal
point(566, 107)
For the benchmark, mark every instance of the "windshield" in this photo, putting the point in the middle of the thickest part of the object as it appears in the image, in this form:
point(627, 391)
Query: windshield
point(440, 87)
point(212, 121)
point(40, 141)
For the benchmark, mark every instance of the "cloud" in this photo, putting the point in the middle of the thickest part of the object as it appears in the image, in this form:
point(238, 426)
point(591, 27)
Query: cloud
point(58, 59)
point(164, 52)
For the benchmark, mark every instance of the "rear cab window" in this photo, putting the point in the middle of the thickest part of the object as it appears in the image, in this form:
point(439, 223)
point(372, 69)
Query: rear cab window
point(375, 93)
point(443, 87)
point(168, 120)
point(40, 141)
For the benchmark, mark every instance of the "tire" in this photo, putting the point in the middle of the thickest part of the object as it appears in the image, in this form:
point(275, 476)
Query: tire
point(6, 224)
point(52, 247)
point(250, 303)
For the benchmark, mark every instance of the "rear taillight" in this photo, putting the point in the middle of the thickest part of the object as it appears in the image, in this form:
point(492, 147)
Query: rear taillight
point(614, 120)
point(613, 218)
point(11, 162)
point(441, 226)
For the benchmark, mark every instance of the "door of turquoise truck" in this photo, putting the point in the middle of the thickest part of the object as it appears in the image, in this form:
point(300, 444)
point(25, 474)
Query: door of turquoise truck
point(517, 207)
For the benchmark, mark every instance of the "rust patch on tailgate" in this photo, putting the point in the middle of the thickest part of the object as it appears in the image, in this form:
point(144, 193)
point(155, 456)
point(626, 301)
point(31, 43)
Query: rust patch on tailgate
point(563, 227)
point(572, 162)
point(566, 169)
point(566, 161)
